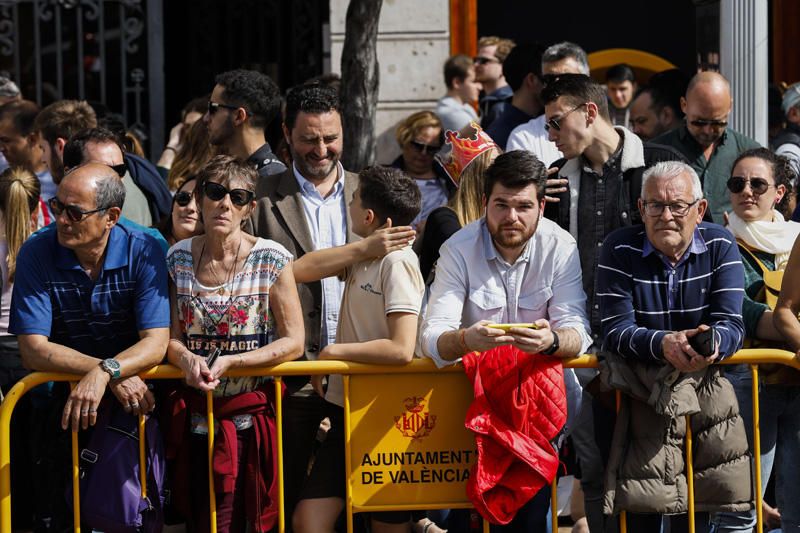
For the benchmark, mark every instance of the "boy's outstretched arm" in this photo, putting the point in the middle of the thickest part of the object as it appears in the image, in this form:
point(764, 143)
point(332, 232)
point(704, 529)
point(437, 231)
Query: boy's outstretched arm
point(398, 349)
point(320, 264)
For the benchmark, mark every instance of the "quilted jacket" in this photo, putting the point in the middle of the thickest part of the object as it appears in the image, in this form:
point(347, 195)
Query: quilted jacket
point(646, 467)
point(518, 415)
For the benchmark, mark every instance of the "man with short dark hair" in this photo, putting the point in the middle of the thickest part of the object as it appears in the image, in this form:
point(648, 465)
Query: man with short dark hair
point(621, 86)
point(19, 142)
point(706, 141)
point(652, 115)
point(492, 52)
point(455, 109)
point(90, 298)
point(560, 58)
point(523, 71)
point(510, 266)
point(58, 122)
point(240, 108)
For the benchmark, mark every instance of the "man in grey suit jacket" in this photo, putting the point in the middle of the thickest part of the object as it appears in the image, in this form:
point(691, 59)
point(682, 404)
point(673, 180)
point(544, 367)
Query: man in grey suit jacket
point(304, 209)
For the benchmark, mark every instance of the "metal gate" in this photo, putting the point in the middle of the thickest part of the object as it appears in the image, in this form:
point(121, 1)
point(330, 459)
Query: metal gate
point(109, 52)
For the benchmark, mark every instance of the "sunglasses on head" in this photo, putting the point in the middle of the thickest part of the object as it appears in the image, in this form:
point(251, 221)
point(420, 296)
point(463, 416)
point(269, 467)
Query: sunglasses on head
point(555, 123)
point(425, 148)
point(216, 192)
point(74, 213)
point(736, 184)
point(213, 107)
point(182, 198)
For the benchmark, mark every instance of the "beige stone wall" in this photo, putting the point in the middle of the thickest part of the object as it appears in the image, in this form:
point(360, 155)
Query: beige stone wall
point(413, 44)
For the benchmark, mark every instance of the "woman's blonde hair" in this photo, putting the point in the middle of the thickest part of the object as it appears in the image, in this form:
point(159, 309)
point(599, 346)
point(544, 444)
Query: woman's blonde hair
point(19, 197)
point(467, 202)
point(193, 155)
point(416, 122)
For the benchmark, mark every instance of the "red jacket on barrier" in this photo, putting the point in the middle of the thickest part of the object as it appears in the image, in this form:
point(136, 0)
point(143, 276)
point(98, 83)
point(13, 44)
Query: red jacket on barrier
point(520, 407)
point(261, 475)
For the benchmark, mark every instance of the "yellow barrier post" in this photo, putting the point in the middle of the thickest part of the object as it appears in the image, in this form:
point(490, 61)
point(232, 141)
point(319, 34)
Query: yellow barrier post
point(348, 466)
point(757, 447)
point(623, 516)
point(279, 427)
point(142, 462)
point(76, 476)
point(212, 496)
point(689, 473)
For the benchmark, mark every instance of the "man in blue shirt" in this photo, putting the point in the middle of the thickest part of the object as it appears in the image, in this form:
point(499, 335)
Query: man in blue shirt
point(90, 297)
point(659, 285)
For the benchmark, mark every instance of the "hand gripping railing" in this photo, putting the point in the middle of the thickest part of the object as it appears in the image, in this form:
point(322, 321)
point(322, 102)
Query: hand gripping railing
point(754, 357)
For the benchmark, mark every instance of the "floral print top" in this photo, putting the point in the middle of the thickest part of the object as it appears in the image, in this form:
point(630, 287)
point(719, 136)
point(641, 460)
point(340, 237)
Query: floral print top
point(238, 320)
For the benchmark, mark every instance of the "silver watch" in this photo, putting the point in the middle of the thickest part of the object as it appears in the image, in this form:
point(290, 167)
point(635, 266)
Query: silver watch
point(111, 366)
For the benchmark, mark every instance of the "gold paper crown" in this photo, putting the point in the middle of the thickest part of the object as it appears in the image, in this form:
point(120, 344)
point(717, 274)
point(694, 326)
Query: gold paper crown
point(464, 150)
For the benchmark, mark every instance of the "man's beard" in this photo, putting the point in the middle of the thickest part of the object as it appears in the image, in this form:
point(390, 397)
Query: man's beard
point(513, 240)
point(313, 172)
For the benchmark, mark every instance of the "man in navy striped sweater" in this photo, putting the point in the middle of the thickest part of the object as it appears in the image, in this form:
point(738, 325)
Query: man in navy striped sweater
point(662, 283)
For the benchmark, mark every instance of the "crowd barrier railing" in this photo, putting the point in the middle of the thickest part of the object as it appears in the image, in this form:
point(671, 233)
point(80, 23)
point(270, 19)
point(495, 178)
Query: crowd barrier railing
point(391, 414)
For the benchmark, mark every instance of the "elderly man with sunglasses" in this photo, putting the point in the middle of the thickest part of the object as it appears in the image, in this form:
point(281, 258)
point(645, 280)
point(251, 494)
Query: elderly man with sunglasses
point(663, 286)
point(706, 141)
point(90, 299)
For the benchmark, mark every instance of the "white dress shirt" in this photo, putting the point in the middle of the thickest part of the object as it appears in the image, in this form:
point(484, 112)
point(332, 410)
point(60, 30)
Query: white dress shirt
point(327, 222)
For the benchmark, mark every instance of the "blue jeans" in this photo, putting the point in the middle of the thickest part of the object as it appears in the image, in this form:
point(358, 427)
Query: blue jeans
point(779, 408)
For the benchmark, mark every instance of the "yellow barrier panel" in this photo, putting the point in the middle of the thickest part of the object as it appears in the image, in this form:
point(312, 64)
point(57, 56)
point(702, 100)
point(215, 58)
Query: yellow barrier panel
point(299, 368)
point(757, 448)
point(689, 473)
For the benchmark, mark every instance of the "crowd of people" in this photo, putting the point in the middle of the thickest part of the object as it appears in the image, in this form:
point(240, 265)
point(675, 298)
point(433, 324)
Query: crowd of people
point(536, 214)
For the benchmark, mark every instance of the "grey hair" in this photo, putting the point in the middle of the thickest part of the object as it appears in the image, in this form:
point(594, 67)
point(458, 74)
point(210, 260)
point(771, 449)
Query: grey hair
point(110, 191)
point(673, 169)
point(566, 49)
point(8, 89)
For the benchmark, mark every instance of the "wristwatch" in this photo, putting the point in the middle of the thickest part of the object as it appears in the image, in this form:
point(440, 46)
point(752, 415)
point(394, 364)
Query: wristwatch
point(111, 367)
point(553, 347)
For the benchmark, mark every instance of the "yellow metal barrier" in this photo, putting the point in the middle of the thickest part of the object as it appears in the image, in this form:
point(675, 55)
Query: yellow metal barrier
point(298, 368)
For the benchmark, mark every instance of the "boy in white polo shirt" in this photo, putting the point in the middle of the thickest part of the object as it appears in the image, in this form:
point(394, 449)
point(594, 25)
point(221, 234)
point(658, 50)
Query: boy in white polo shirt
point(377, 324)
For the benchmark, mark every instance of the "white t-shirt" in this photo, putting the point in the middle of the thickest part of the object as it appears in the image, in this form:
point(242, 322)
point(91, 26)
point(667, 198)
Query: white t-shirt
point(532, 137)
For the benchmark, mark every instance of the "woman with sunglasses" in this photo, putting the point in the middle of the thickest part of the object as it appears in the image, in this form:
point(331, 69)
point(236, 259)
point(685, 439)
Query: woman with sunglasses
point(184, 219)
point(234, 307)
point(757, 186)
point(420, 136)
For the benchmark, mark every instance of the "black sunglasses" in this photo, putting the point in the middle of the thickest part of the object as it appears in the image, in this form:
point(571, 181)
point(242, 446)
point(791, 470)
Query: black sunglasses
point(120, 169)
point(425, 148)
point(555, 123)
point(716, 124)
point(216, 192)
point(757, 185)
point(74, 213)
point(213, 107)
point(182, 198)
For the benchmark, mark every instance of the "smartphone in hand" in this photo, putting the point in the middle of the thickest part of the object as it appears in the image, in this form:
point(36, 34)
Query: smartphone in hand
point(704, 343)
point(506, 327)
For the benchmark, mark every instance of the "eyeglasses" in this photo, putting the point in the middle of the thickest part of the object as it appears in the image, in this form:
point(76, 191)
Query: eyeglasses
point(715, 124)
point(183, 198)
point(678, 209)
point(736, 184)
point(481, 60)
point(216, 192)
point(425, 148)
point(120, 169)
point(213, 107)
point(74, 213)
point(555, 123)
